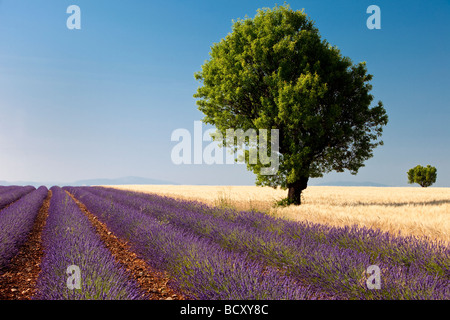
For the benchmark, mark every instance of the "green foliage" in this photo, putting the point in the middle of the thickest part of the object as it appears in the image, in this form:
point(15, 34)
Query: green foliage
point(274, 71)
point(424, 176)
point(285, 202)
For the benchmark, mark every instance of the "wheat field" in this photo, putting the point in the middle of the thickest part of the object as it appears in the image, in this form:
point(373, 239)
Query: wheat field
point(407, 211)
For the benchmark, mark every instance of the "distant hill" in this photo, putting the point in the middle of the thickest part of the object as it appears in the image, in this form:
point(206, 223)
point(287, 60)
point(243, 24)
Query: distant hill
point(89, 182)
point(349, 184)
point(22, 183)
point(119, 181)
point(143, 181)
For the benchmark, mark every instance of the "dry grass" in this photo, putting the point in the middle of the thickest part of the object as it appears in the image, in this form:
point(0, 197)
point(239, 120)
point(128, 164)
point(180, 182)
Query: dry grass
point(406, 211)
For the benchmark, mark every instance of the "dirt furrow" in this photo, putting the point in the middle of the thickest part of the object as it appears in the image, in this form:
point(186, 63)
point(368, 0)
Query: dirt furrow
point(18, 282)
point(153, 282)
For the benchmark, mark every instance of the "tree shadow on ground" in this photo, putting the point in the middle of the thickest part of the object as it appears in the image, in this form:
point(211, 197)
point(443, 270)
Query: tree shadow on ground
point(401, 204)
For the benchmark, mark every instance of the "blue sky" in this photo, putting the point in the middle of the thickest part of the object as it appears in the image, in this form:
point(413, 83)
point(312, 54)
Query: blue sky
point(102, 102)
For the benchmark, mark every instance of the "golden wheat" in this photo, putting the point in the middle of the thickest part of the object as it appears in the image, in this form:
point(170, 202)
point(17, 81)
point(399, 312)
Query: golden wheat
point(406, 211)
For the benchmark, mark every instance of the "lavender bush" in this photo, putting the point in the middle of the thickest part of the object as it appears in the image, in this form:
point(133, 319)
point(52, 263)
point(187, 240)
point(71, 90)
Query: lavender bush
point(70, 239)
point(399, 249)
point(16, 222)
point(201, 268)
point(433, 257)
point(13, 194)
point(332, 258)
point(5, 189)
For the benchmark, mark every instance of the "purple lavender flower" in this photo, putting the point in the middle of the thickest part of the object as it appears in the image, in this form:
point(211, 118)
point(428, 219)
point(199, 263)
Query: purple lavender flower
point(71, 240)
point(200, 267)
point(17, 220)
point(331, 259)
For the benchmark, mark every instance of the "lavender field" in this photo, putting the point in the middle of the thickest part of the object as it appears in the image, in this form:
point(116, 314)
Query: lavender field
point(205, 253)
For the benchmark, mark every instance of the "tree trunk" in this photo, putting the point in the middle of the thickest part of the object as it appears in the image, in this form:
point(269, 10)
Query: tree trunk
point(295, 190)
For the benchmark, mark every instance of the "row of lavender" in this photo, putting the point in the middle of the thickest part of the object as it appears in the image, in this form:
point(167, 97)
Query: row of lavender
point(215, 254)
point(432, 257)
point(200, 267)
point(334, 260)
point(16, 221)
point(6, 189)
point(70, 240)
point(11, 194)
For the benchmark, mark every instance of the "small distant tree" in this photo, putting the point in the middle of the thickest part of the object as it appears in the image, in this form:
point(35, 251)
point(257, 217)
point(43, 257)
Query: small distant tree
point(424, 176)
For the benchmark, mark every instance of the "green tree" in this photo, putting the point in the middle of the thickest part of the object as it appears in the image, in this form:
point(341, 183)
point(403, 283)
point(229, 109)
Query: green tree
point(274, 71)
point(424, 176)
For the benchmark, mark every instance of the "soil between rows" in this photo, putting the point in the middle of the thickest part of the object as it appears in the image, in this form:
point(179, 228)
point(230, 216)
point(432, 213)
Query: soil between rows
point(18, 281)
point(153, 282)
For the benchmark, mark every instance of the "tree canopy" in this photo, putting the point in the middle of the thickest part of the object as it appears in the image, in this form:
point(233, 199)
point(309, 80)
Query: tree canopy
point(424, 176)
point(274, 71)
